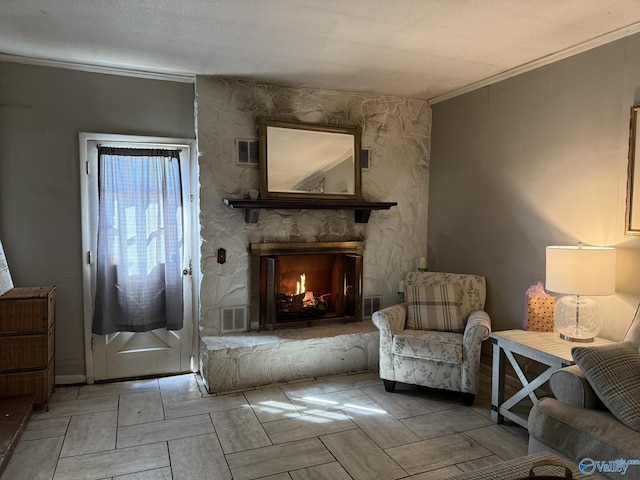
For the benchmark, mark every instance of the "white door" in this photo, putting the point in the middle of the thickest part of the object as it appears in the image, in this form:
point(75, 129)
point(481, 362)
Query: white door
point(128, 354)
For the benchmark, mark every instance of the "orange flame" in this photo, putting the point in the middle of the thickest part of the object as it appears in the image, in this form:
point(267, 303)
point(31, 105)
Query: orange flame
point(300, 286)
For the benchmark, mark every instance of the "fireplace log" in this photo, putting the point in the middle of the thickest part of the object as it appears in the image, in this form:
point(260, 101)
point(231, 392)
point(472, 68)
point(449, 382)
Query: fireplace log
point(292, 306)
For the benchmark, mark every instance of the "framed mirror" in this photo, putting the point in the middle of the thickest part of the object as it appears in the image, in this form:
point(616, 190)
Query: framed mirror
point(632, 226)
point(303, 160)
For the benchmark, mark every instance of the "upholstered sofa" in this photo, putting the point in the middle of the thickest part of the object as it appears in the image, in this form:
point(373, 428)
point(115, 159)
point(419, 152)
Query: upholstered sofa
point(601, 423)
point(434, 338)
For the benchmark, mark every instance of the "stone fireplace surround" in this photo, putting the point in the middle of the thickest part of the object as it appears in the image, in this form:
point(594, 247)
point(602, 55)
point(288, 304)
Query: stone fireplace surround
point(396, 132)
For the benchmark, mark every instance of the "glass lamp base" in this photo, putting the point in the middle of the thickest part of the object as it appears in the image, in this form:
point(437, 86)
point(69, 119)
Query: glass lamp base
point(577, 318)
point(575, 339)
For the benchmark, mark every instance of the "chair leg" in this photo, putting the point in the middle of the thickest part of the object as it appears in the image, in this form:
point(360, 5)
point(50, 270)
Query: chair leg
point(468, 398)
point(389, 385)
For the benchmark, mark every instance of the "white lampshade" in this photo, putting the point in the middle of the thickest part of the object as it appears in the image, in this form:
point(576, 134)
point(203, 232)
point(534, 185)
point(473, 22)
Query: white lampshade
point(579, 270)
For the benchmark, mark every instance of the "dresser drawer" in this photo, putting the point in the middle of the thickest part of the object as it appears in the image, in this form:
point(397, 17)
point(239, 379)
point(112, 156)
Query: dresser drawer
point(25, 352)
point(37, 382)
point(27, 310)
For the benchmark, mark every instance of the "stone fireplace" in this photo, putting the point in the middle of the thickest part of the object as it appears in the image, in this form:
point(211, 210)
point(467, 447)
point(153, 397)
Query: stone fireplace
point(305, 284)
point(396, 135)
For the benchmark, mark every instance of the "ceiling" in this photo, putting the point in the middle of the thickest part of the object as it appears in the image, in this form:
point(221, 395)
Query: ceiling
point(430, 49)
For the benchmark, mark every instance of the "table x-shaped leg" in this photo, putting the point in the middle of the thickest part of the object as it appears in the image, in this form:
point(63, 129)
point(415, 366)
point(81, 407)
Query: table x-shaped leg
point(529, 387)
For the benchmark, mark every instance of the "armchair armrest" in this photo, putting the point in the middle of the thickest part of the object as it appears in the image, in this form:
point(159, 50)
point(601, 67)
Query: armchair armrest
point(389, 321)
point(393, 318)
point(477, 329)
point(571, 387)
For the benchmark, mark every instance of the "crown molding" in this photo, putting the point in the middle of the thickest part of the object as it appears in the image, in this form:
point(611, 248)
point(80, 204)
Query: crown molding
point(540, 62)
point(85, 67)
point(189, 77)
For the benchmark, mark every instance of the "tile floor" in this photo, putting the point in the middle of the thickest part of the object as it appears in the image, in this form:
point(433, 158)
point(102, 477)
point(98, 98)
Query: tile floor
point(338, 427)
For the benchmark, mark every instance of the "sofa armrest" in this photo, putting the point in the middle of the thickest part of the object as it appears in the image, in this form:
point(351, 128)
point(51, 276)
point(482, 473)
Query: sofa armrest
point(579, 433)
point(570, 386)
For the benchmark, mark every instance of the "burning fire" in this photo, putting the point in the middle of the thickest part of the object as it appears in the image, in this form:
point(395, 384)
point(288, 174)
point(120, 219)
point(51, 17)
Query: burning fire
point(302, 304)
point(309, 299)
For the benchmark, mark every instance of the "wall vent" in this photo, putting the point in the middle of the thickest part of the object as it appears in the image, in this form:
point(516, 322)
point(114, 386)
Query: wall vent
point(234, 319)
point(365, 159)
point(371, 305)
point(248, 152)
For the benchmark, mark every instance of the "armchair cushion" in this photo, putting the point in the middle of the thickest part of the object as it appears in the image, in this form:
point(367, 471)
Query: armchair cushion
point(473, 287)
point(434, 307)
point(614, 373)
point(443, 347)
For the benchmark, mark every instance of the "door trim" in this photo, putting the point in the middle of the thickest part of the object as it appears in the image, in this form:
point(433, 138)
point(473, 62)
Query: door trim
point(88, 186)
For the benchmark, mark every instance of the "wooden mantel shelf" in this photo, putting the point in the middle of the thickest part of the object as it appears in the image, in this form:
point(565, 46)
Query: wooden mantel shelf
point(362, 209)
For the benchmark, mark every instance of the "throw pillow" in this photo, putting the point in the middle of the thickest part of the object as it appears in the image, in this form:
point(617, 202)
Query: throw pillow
point(614, 374)
point(434, 307)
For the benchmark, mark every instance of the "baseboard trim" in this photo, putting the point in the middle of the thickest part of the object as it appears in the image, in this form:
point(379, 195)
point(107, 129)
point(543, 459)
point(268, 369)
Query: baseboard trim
point(70, 379)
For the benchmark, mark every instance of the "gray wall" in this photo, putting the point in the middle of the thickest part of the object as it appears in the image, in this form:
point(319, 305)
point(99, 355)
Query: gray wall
point(537, 160)
point(42, 110)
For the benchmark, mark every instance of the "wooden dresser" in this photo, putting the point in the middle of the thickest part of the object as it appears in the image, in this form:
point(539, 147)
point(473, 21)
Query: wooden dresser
point(27, 342)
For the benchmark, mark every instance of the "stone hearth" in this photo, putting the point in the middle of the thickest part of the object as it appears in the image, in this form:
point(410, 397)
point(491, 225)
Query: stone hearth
point(246, 360)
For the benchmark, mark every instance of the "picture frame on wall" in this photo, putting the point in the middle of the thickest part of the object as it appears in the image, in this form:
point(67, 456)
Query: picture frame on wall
point(632, 217)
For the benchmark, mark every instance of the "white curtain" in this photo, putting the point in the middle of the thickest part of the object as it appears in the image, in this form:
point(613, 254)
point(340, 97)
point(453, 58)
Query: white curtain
point(139, 257)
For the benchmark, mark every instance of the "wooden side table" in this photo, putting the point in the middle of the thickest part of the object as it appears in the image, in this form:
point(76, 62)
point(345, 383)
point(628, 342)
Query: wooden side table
point(543, 347)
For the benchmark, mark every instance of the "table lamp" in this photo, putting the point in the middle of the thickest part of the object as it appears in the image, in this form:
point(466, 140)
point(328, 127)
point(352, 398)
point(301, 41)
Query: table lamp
point(580, 272)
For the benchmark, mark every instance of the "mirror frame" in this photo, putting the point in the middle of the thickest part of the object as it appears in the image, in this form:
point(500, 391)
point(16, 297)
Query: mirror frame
point(632, 226)
point(266, 123)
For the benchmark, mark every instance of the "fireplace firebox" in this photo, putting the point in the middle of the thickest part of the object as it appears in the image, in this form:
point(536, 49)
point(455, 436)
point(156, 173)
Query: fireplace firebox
point(305, 284)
